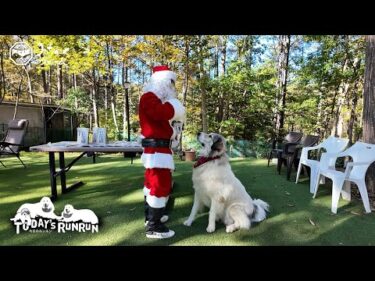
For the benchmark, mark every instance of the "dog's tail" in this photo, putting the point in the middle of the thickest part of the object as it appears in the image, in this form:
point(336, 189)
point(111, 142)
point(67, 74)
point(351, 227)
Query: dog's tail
point(260, 210)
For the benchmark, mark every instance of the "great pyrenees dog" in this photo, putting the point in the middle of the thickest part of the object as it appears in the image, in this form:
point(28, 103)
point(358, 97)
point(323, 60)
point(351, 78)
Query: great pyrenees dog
point(217, 188)
point(28, 211)
point(73, 215)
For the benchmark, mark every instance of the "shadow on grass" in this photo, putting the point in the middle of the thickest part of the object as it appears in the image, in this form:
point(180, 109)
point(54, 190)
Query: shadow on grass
point(114, 192)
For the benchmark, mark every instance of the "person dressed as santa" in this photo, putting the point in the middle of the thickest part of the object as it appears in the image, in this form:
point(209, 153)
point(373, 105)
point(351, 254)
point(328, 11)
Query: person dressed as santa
point(158, 110)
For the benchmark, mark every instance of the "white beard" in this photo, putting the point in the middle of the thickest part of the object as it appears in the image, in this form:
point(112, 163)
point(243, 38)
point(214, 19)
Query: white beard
point(162, 89)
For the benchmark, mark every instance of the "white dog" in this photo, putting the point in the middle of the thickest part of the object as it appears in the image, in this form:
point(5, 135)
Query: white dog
point(73, 215)
point(28, 211)
point(218, 188)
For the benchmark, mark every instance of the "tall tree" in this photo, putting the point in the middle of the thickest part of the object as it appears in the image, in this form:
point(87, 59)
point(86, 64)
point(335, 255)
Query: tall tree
point(202, 45)
point(369, 104)
point(283, 63)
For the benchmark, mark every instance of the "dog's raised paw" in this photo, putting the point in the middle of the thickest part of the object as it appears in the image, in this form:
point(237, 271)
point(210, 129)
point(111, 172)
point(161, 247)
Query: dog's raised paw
point(210, 229)
point(188, 223)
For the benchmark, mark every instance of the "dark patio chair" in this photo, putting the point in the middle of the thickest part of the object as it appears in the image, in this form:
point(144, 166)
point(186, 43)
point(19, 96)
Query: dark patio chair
point(13, 141)
point(291, 153)
point(278, 144)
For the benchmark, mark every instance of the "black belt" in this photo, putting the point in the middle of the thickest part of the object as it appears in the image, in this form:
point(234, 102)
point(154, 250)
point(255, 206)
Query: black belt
point(156, 143)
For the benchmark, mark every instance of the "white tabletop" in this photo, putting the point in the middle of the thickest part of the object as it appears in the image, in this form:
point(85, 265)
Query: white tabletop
point(72, 146)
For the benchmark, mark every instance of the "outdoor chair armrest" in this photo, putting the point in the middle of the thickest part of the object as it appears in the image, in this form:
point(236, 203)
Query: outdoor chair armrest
point(330, 158)
point(342, 154)
point(313, 147)
point(305, 150)
point(288, 145)
point(296, 151)
point(349, 167)
point(3, 143)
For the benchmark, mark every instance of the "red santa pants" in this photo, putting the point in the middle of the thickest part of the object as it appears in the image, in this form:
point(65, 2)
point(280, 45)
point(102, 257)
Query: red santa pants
point(158, 185)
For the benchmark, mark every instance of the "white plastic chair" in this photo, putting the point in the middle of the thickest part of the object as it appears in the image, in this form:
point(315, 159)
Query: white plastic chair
point(363, 154)
point(331, 145)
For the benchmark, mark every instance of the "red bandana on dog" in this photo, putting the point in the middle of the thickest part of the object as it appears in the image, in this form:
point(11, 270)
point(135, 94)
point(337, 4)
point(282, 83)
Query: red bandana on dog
point(202, 160)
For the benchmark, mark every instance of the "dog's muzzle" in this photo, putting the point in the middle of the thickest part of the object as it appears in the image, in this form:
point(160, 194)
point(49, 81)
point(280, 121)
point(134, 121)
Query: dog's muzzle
point(46, 209)
point(66, 215)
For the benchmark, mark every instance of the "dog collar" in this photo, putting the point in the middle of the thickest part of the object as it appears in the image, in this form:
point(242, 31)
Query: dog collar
point(202, 160)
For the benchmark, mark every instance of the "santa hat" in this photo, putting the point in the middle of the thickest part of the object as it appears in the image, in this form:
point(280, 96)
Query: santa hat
point(162, 72)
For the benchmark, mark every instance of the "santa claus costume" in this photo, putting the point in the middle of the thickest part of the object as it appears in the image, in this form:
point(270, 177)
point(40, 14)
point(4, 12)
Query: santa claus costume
point(158, 108)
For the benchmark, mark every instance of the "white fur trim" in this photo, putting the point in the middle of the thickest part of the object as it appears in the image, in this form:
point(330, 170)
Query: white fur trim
point(179, 110)
point(146, 191)
point(157, 160)
point(163, 75)
point(156, 202)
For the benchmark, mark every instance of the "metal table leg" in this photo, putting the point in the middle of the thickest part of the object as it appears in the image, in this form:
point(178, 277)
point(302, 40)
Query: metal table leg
point(62, 174)
point(52, 172)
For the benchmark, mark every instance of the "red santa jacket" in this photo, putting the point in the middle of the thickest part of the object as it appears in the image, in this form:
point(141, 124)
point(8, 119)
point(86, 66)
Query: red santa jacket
point(155, 117)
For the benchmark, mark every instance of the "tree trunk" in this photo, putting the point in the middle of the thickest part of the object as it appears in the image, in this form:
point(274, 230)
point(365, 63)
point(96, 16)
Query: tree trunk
point(224, 55)
point(283, 63)
point(125, 108)
point(59, 82)
point(49, 79)
point(186, 79)
point(29, 86)
point(339, 119)
point(106, 103)
point(74, 78)
point(249, 54)
point(319, 118)
point(353, 117)
point(17, 99)
point(93, 98)
point(369, 105)
point(204, 109)
point(44, 80)
point(216, 61)
point(353, 102)
point(2, 78)
point(113, 107)
point(203, 88)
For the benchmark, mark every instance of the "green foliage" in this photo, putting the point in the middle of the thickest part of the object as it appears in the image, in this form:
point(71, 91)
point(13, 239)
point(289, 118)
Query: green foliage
point(190, 142)
point(233, 76)
point(78, 100)
point(231, 128)
point(244, 148)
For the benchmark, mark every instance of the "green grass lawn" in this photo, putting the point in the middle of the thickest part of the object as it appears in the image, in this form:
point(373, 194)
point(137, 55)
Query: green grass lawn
point(113, 190)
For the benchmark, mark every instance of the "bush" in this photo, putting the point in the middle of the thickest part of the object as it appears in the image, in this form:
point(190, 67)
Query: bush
point(190, 142)
point(245, 148)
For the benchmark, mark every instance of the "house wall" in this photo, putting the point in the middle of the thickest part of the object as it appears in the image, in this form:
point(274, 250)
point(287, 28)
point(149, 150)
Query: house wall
point(58, 127)
point(35, 132)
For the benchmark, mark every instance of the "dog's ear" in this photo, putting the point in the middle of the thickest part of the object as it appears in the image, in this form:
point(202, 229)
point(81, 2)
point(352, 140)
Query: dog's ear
point(217, 143)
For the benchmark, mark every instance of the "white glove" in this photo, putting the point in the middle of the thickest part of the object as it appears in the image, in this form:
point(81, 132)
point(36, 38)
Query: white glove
point(177, 130)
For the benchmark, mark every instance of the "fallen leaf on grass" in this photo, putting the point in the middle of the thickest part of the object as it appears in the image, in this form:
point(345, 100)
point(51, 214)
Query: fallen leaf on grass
point(312, 222)
point(287, 193)
point(290, 205)
point(109, 212)
point(355, 213)
point(133, 209)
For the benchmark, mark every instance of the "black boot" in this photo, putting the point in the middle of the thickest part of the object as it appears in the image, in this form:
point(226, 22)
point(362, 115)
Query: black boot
point(155, 228)
point(147, 207)
point(164, 217)
point(168, 208)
